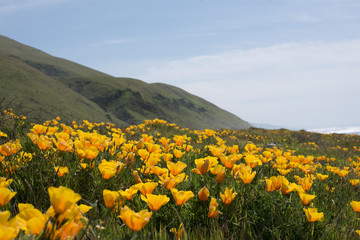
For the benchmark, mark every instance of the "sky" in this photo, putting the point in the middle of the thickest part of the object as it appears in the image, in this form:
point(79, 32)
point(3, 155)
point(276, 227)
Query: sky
point(288, 63)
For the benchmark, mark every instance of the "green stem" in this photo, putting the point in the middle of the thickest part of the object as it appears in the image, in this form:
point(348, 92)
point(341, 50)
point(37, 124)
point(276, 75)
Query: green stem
point(183, 226)
point(312, 230)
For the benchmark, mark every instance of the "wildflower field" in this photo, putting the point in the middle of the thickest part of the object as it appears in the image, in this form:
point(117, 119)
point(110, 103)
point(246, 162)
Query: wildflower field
point(156, 180)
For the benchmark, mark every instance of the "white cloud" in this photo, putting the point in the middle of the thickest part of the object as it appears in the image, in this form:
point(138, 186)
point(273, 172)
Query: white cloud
point(298, 84)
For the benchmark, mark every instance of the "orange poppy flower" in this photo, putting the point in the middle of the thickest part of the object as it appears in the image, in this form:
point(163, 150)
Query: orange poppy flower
point(155, 202)
point(204, 194)
point(355, 206)
point(111, 198)
point(213, 212)
point(62, 198)
point(313, 215)
point(181, 197)
point(134, 220)
point(5, 196)
point(176, 168)
point(228, 196)
point(306, 198)
point(146, 188)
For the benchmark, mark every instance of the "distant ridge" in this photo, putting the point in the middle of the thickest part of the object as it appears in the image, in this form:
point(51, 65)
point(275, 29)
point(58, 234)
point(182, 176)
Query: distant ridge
point(48, 86)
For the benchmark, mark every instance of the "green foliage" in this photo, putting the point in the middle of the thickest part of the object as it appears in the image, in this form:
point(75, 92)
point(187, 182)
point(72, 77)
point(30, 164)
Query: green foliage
point(254, 213)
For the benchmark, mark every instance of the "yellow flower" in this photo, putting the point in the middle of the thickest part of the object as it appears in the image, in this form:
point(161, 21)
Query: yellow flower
point(286, 186)
point(5, 196)
point(8, 229)
point(144, 154)
point(38, 129)
point(2, 134)
point(153, 159)
point(229, 161)
point(5, 183)
point(153, 148)
point(108, 169)
point(252, 160)
point(213, 212)
point(246, 174)
point(72, 220)
point(188, 148)
point(267, 154)
point(178, 232)
point(202, 167)
point(321, 176)
point(111, 198)
point(158, 170)
point(306, 183)
point(85, 150)
point(220, 173)
point(178, 153)
point(30, 219)
point(306, 198)
point(216, 151)
point(284, 171)
point(233, 149)
point(35, 225)
point(146, 188)
point(336, 170)
point(328, 188)
point(63, 143)
point(62, 198)
point(220, 177)
point(135, 221)
point(204, 194)
point(84, 208)
point(355, 206)
point(343, 173)
point(228, 196)
point(274, 183)
point(204, 164)
point(164, 141)
point(167, 156)
point(329, 168)
point(172, 181)
point(313, 215)
point(181, 197)
point(354, 181)
point(69, 230)
point(307, 169)
point(61, 171)
point(44, 142)
point(130, 158)
point(179, 140)
point(155, 202)
point(176, 168)
point(137, 177)
point(10, 148)
point(129, 193)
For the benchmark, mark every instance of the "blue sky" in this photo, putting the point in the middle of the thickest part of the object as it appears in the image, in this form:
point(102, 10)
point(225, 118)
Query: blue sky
point(292, 63)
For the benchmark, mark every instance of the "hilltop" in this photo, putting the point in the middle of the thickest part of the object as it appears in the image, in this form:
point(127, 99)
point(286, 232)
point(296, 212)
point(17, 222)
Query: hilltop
point(47, 86)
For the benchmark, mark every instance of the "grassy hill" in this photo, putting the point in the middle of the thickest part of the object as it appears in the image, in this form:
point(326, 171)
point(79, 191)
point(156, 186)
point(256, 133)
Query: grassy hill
point(48, 86)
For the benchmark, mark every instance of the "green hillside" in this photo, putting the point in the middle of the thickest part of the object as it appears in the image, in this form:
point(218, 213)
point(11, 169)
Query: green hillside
point(47, 87)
